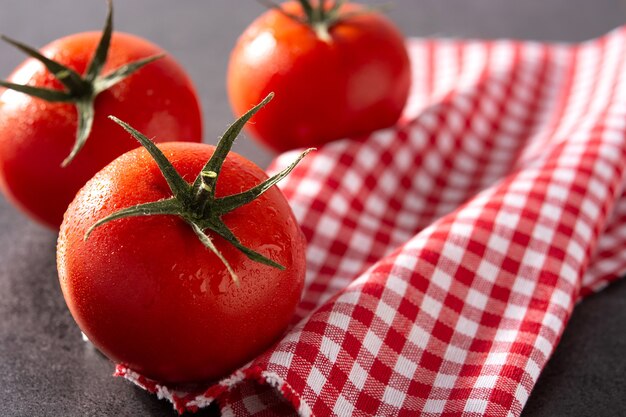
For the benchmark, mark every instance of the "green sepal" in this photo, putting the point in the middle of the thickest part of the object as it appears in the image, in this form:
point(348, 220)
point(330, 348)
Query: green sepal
point(53, 96)
point(168, 206)
point(206, 241)
point(334, 9)
point(307, 8)
point(180, 188)
point(70, 78)
point(221, 229)
point(222, 149)
point(102, 50)
point(107, 81)
point(229, 203)
point(85, 113)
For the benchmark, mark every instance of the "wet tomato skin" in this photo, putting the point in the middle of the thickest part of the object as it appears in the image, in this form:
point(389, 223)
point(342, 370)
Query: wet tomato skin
point(36, 136)
point(351, 84)
point(149, 295)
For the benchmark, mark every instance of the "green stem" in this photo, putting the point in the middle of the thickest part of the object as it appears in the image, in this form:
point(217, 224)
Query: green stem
point(223, 147)
point(322, 31)
point(205, 194)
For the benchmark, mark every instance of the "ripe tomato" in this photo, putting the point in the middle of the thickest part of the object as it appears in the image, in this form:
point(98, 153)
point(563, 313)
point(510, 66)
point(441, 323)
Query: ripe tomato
point(350, 80)
point(149, 294)
point(36, 136)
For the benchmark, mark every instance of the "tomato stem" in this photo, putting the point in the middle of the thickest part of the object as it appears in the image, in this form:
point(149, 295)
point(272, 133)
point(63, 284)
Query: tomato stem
point(322, 31)
point(81, 90)
point(196, 203)
point(204, 193)
point(320, 17)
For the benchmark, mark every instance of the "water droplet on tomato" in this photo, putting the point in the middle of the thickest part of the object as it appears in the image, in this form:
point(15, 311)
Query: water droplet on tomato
point(223, 285)
point(272, 212)
point(204, 286)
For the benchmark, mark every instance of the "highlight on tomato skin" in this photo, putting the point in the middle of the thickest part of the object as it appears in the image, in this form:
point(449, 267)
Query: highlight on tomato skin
point(343, 73)
point(180, 260)
point(54, 131)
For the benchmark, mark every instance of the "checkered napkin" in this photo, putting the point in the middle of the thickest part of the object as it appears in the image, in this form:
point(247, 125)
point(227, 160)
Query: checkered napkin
point(446, 255)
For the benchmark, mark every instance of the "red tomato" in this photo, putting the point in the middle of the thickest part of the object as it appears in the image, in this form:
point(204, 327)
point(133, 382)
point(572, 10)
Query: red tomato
point(36, 135)
point(149, 295)
point(354, 82)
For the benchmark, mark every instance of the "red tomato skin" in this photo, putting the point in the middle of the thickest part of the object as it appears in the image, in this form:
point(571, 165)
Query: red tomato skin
point(36, 136)
point(149, 295)
point(354, 84)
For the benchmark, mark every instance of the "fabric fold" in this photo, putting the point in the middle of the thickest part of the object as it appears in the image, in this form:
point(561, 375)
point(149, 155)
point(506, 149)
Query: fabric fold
point(446, 254)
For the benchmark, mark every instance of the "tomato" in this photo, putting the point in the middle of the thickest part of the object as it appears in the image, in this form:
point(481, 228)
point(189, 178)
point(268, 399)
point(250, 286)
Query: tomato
point(348, 79)
point(36, 136)
point(149, 294)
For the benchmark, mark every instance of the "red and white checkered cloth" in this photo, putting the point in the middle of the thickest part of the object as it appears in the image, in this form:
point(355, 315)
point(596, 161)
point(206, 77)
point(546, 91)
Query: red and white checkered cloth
point(446, 255)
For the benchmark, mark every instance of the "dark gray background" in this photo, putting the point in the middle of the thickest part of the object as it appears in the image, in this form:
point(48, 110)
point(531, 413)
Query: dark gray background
point(44, 367)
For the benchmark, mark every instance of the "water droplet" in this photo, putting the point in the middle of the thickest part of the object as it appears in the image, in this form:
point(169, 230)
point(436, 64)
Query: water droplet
point(271, 211)
point(223, 285)
point(270, 250)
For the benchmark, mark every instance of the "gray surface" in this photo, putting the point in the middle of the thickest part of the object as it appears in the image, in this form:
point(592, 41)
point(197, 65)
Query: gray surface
point(44, 367)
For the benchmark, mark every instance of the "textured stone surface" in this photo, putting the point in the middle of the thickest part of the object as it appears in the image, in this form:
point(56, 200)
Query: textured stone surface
point(45, 368)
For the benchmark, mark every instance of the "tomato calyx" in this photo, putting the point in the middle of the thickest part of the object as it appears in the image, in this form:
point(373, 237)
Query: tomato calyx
point(319, 16)
point(81, 90)
point(196, 203)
